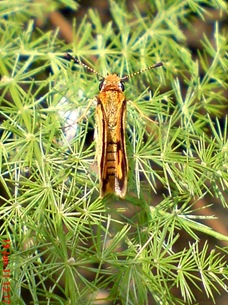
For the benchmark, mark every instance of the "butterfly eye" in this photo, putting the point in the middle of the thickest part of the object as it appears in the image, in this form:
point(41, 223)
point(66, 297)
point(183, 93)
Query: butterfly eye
point(101, 84)
point(121, 86)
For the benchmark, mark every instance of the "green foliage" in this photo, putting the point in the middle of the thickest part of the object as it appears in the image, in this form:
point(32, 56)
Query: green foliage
point(68, 246)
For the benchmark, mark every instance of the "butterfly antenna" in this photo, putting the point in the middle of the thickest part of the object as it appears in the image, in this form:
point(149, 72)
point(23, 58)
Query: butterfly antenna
point(159, 64)
point(70, 57)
